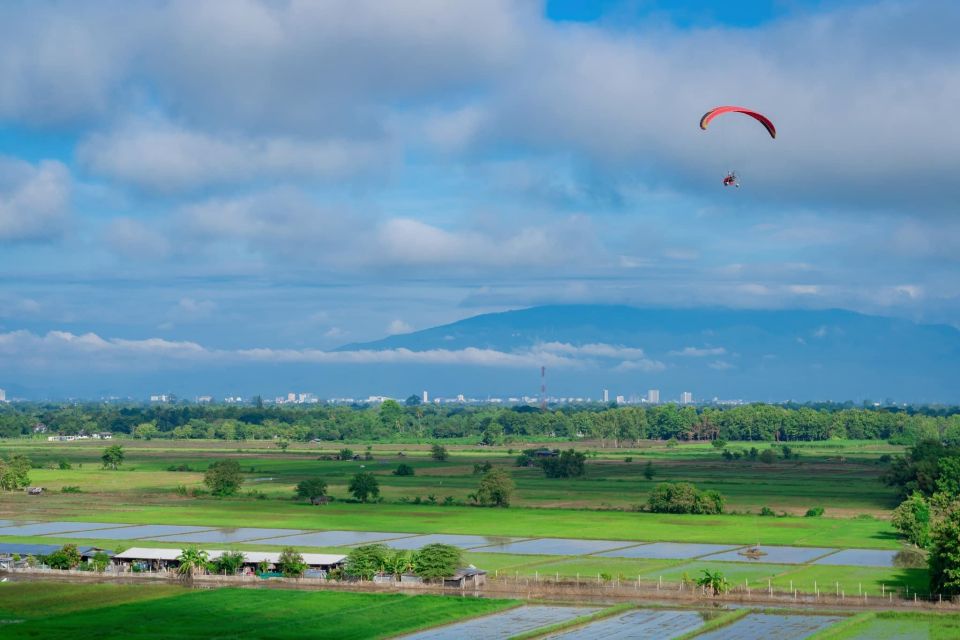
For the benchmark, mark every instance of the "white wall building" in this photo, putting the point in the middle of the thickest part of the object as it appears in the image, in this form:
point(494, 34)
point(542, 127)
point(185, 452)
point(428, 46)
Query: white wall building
point(653, 396)
point(686, 398)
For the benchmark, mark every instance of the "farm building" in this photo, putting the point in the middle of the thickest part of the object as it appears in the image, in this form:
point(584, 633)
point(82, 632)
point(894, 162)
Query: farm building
point(159, 559)
point(10, 551)
point(465, 578)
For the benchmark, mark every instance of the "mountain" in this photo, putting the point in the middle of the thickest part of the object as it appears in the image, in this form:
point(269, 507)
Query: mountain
point(753, 354)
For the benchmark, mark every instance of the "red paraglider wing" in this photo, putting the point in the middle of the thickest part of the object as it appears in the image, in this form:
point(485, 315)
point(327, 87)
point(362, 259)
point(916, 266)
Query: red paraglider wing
point(759, 117)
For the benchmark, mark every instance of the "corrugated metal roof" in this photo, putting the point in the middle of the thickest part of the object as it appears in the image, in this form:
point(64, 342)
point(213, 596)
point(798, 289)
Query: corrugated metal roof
point(272, 557)
point(8, 549)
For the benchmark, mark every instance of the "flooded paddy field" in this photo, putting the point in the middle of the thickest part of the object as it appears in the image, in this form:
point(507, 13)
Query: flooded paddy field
point(637, 625)
point(507, 624)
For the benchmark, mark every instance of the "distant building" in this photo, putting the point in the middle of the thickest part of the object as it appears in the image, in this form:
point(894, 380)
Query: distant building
point(3, 395)
point(606, 396)
point(653, 396)
point(426, 397)
point(460, 398)
point(161, 397)
point(686, 398)
point(621, 400)
point(204, 399)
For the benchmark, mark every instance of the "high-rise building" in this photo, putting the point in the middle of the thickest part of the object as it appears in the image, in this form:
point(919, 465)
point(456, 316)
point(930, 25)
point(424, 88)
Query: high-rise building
point(653, 396)
point(621, 400)
point(426, 397)
point(606, 396)
point(3, 395)
point(686, 398)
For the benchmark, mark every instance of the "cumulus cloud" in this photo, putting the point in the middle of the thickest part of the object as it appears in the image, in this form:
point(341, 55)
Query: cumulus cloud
point(397, 327)
point(34, 199)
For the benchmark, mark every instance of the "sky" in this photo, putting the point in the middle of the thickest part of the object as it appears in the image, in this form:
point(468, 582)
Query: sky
point(284, 177)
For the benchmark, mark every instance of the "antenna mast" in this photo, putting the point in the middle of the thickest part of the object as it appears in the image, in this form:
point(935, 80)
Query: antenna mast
point(543, 388)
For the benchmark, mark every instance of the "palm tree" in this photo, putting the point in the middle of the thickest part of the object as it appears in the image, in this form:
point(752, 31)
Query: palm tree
point(398, 563)
point(192, 560)
point(715, 581)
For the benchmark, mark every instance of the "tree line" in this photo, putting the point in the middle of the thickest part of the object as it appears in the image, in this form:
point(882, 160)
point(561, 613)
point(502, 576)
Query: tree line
point(613, 426)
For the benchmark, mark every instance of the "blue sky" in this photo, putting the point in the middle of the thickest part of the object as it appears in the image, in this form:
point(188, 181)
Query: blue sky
point(295, 176)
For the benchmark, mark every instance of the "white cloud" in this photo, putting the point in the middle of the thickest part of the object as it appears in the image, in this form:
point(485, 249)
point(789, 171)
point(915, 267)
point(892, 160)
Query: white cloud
point(34, 200)
point(161, 157)
point(721, 365)
point(61, 348)
point(135, 240)
point(397, 327)
point(698, 352)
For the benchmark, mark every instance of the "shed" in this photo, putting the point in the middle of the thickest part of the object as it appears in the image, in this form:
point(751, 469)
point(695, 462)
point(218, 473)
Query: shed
point(468, 577)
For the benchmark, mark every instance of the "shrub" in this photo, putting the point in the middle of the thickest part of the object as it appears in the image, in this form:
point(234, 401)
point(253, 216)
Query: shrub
point(67, 557)
point(345, 454)
point(814, 512)
point(767, 511)
point(768, 456)
point(648, 471)
point(628, 459)
point(912, 519)
point(312, 489)
point(524, 460)
point(483, 467)
point(727, 455)
point(439, 453)
point(683, 497)
point(63, 465)
point(719, 443)
point(403, 469)
point(569, 464)
point(672, 443)
point(70, 489)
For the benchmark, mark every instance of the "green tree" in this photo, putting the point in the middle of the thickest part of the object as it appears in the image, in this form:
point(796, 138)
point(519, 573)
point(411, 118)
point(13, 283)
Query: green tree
point(223, 477)
point(912, 519)
point(495, 489)
point(437, 561)
point(145, 431)
point(768, 456)
point(291, 563)
point(366, 561)
point(100, 561)
point(312, 489)
point(945, 553)
point(439, 453)
point(15, 473)
point(229, 562)
point(345, 454)
point(403, 469)
point(648, 471)
point(112, 457)
point(412, 400)
point(364, 486)
point(282, 444)
point(66, 557)
point(192, 561)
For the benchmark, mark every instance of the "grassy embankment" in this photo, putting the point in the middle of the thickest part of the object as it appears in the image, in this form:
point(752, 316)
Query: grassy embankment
point(51, 610)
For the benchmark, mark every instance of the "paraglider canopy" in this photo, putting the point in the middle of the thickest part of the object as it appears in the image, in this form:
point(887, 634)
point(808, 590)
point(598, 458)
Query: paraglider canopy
point(759, 117)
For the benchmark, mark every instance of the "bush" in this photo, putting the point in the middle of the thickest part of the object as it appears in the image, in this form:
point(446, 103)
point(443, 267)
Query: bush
point(912, 519)
point(719, 443)
point(768, 456)
point(628, 459)
point(312, 489)
point(672, 443)
point(482, 467)
point(683, 497)
point(524, 460)
point(569, 464)
point(727, 455)
point(67, 557)
point(403, 469)
point(63, 465)
point(767, 511)
point(648, 471)
point(814, 512)
point(345, 454)
point(439, 453)
point(70, 489)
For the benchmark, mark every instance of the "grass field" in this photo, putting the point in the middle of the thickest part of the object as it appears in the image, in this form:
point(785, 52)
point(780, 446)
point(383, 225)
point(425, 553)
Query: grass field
point(896, 625)
point(149, 612)
point(841, 476)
